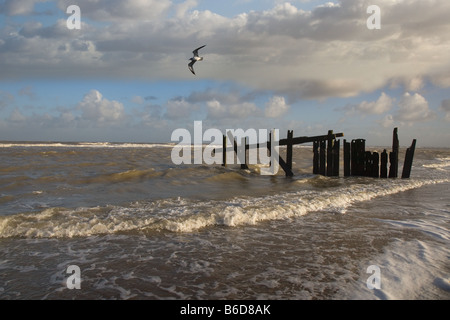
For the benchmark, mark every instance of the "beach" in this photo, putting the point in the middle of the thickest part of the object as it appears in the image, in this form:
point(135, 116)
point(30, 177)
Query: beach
point(140, 227)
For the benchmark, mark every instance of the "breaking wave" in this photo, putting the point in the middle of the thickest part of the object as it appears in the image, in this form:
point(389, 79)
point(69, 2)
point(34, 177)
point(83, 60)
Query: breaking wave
point(83, 145)
point(183, 215)
point(443, 163)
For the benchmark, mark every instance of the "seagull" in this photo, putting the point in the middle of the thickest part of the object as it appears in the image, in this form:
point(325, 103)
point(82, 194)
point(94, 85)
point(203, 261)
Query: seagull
point(195, 59)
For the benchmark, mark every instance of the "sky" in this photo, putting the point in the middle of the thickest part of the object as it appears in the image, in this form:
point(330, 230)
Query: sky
point(306, 65)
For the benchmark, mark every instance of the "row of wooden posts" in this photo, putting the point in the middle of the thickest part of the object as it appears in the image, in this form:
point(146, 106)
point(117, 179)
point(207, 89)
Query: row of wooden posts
point(358, 161)
point(326, 156)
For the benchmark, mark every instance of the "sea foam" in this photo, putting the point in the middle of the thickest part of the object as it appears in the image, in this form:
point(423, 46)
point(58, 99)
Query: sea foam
point(183, 215)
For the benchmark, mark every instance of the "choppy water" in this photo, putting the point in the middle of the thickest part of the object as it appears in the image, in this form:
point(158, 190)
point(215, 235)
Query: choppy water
point(140, 227)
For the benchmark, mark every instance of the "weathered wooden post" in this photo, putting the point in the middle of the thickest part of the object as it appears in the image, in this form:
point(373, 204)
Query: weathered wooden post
point(409, 160)
point(241, 153)
point(347, 158)
point(322, 166)
point(354, 161)
point(368, 164)
point(393, 156)
point(330, 146)
point(224, 151)
point(361, 151)
point(358, 157)
point(384, 164)
point(244, 164)
point(236, 152)
point(336, 157)
point(289, 151)
point(375, 165)
point(316, 164)
point(269, 145)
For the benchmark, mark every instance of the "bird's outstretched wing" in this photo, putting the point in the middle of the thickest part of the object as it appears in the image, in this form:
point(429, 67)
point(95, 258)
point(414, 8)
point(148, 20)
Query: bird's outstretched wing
point(191, 67)
point(195, 52)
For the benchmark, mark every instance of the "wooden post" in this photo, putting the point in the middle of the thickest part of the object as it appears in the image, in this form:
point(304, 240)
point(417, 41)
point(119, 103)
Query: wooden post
point(241, 153)
point(375, 165)
point(354, 159)
point(290, 136)
point(361, 156)
point(285, 167)
point(393, 157)
point(336, 157)
point(330, 146)
point(244, 165)
point(409, 160)
point(368, 164)
point(322, 165)
point(347, 157)
point(393, 173)
point(316, 164)
point(358, 157)
point(281, 162)
point(224, 151)
point(269, 145)
point(235, 153)
point(384, 164)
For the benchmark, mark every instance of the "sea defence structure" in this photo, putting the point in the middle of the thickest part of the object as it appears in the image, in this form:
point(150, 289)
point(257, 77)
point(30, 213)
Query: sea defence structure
point(327, 156)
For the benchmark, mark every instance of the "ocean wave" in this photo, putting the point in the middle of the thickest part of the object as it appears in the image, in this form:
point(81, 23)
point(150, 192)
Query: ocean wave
point(442, 163)
point(126, 176)
point(183, 215)
point(226, 176)
point(85, 145)
point(437, 165)
point(407, 268)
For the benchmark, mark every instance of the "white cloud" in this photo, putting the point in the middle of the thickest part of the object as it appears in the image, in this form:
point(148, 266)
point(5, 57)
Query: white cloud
point(382, 105)
point(99, 110)
point(413, 108)
point(17, 116)
point(16, 7)
point(276, 107)
point(326, 52)
point(445, 107)
point(138, 100)
point(179, 108)
point(27, 92)
point(6, 99)
point(218, 110)
point(120, 10)
point(442, 80)
point(388, 121)
point(184, 7)
point(67, 117)
point(414, 84)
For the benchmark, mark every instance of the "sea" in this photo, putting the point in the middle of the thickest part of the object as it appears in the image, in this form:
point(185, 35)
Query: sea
point(121, 221)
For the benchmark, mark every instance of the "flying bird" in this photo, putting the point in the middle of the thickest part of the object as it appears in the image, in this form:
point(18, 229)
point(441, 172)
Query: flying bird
point(195, 59)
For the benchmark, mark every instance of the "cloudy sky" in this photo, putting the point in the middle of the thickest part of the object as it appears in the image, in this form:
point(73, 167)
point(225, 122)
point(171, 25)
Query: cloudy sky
point(305, 65)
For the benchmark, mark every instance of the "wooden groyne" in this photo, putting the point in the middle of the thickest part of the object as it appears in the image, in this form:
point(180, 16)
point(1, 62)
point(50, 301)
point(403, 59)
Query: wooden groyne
point(357, 161)
point(290, 142)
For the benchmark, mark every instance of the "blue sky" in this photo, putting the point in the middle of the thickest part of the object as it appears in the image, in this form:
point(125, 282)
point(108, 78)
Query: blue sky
point(309, 66)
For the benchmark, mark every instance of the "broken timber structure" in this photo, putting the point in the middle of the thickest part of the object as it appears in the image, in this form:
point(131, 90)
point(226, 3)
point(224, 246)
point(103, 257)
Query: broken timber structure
point(326, 156)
